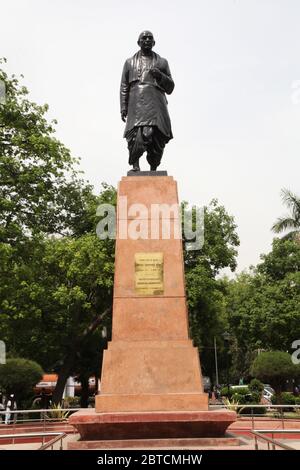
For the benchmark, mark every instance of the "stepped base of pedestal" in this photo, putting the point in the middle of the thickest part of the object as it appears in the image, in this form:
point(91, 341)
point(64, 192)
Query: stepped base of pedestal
point(154, 425)
point(151, 376)
point(196, 443)
point(107, 403)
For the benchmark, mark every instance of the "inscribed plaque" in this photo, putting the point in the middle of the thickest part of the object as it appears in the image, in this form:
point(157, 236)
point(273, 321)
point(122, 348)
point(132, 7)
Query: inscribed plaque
point(149, 273)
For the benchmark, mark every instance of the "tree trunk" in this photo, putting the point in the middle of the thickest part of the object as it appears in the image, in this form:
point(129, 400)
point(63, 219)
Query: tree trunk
point(68, 365)
point(84, 399)
point(64, 373)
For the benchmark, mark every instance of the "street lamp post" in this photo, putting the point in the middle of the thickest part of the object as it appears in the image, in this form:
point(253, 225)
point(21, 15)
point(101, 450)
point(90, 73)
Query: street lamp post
point(216, 361)
point(226, 337)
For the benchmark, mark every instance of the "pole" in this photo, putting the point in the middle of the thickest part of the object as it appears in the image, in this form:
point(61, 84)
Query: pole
point(216, 361)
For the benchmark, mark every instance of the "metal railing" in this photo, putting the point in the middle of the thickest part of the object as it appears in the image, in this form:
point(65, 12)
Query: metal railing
point(58, 436)
point(47, 416)
point(259, 434)
point(277, 410)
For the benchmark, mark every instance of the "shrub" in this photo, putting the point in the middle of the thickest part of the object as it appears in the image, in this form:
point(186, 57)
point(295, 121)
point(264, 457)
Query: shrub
point(244, 396)
point(19, 376)
point(255, 397)
point(72, 402)
point(233, 391)
point(274, 367)
point(56, 412)
point(287, 398)
point(239, 398)
point(256, 386)
point(254, 411)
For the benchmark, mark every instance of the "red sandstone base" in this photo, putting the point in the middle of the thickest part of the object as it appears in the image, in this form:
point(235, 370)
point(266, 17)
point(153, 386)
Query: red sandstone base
point(185, 443)
point(151, 425)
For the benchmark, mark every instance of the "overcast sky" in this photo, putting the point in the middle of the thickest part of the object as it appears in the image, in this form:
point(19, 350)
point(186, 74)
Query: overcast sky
point(235, 109)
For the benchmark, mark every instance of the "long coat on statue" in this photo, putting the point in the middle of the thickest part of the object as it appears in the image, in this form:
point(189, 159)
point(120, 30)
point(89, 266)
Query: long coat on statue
point(143, 97)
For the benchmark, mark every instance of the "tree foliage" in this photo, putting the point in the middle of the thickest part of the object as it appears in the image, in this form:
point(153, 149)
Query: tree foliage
point(263, 306)
point(19, 376)
point(51, 300)
point(274, 367)
point(205, 292)
point(40, 188)
point(55, 274)
point(291, 221)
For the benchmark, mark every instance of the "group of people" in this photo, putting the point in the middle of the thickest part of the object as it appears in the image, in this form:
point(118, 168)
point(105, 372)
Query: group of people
point(7, 406)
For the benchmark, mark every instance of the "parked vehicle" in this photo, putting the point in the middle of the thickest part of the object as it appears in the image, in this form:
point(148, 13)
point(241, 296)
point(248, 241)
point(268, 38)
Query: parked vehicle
point(269, 388)
point(268, 393)
point(48, 383)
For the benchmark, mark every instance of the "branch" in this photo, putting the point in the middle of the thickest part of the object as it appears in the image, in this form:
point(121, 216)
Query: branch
point(96, 322)
point(283, 223)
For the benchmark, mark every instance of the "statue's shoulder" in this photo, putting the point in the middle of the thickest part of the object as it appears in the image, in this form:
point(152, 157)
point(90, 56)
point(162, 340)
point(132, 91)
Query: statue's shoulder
point(162, 61)
point(130, 61)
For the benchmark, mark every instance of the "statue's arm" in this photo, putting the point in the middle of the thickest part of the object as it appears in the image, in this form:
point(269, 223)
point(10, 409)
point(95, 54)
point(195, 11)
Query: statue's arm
point(166, 80)
point(124, 90)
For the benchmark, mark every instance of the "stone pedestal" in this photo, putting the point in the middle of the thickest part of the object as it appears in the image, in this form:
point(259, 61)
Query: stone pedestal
point(150, 365)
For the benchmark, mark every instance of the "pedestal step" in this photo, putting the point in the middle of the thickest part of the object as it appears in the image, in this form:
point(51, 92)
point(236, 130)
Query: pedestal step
point(203, 442)
point(153, 425)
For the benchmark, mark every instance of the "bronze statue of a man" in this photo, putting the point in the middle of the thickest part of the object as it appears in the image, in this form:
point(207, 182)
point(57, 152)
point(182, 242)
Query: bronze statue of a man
point(145, 80)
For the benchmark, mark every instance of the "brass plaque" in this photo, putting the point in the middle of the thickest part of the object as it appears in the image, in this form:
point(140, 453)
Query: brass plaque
point(149, 273)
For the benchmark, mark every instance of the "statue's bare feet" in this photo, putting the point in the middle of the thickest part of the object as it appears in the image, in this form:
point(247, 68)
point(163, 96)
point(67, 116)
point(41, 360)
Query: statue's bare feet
point(136, 167)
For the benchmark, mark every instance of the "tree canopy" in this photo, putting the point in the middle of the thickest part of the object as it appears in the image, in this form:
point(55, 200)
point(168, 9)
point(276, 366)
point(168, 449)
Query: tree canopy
point(274, 367)
point(205, 291)
point(19, 376)
point(40, 186)
point(55, 274)
point(291, 221)
point(263, 305)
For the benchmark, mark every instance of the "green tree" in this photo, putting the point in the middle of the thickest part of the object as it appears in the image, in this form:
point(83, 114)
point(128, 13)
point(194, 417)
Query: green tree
point(19, 376)
point(283, 260)
point(274, 367)
point(263, 305)
point(205, 292)
point(58, 300)
point(89, 362)
point(289, 222)
point(40, 190)
point(55, 275)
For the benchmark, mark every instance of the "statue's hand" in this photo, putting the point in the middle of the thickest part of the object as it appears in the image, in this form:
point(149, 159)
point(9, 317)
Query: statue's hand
point(156, 73)
point(123, 116)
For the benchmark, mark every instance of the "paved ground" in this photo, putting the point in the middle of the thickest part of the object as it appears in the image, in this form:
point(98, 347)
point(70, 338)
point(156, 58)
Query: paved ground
point(292, 443)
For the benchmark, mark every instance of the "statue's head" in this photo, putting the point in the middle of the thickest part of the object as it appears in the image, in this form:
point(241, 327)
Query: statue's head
point(146, 41)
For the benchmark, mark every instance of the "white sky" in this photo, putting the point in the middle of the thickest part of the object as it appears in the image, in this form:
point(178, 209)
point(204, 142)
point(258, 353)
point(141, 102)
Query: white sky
point(235, 110)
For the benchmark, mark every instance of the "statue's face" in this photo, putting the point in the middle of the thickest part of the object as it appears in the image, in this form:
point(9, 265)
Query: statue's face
point(146, 41)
